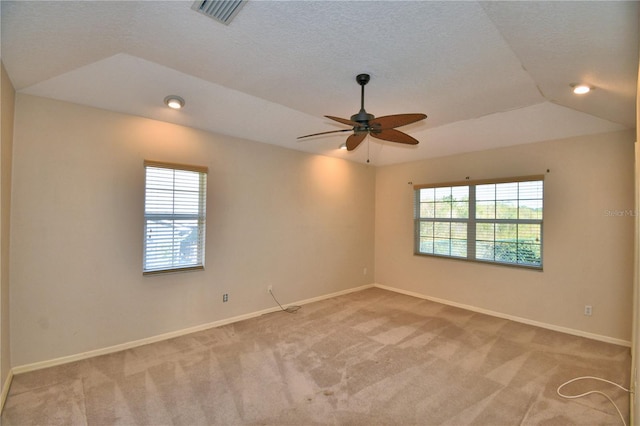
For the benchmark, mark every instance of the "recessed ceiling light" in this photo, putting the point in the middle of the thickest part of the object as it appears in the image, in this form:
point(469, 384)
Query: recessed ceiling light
point(174, 102)
point(581, 89)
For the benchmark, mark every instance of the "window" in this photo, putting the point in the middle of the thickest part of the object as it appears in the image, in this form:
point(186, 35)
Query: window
point(174, 217)
point(490, 221)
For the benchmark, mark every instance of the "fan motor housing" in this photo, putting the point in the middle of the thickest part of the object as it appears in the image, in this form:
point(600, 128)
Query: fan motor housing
point(362, 117)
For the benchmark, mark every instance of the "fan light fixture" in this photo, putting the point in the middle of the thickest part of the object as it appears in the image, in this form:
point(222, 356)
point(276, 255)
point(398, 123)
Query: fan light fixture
point(581, 89)
point(174, 102)
point(343, 146)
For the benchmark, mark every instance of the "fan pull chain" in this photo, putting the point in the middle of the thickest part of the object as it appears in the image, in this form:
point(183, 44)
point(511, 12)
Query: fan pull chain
point(368, 143)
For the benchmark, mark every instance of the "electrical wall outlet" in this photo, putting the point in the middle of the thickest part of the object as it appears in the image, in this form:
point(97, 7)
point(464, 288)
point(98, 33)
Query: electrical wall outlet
point(269, 288)
point(587, 310)
point(225, 297)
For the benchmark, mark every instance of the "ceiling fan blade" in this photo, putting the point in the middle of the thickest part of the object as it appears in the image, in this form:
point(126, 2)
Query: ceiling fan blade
point(397, 120)
point(344, 121)
point(393, 135)
point(354, 140)
point(325, 133)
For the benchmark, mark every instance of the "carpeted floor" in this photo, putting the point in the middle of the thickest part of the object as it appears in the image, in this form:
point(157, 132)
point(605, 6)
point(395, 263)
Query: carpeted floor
point(372, 357)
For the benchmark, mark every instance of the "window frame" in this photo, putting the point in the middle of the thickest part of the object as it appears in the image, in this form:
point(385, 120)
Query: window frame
point(199, 217)
point(472, 221)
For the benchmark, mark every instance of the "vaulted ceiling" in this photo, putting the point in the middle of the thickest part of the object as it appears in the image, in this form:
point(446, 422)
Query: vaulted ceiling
point(487, 74)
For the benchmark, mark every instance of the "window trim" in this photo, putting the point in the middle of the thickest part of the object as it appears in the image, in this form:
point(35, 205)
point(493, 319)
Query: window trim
point(481, 182)
point(176, 166)
point(472, 220)
point(203, 197)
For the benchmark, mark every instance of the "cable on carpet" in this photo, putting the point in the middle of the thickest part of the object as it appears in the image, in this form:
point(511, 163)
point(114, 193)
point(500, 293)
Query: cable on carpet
point(593, 391)
point(290, 309)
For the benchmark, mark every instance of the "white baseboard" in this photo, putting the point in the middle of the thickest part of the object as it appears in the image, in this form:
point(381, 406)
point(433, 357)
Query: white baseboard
point(553, 327)
point(160, 337)
point(133, 344)
point(5, 390)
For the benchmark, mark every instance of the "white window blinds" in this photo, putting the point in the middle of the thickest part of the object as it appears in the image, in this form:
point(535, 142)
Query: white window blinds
point(496, 221)
point(175, 216)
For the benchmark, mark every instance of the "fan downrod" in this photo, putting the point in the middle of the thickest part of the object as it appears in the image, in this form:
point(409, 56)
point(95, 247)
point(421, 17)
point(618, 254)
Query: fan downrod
point(362, 117)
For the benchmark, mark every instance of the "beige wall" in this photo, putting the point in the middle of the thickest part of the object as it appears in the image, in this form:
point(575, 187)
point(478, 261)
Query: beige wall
point(588, 254)
point(301, 223)
point(6, 142)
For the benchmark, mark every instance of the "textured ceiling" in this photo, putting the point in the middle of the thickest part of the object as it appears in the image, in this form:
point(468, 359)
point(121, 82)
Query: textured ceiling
point(487, 74)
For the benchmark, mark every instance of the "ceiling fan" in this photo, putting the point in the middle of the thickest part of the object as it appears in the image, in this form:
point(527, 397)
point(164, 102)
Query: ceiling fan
point(363, 124)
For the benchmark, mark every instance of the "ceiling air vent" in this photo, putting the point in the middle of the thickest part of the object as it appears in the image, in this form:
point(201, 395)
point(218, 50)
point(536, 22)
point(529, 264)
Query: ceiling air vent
point(220, 10)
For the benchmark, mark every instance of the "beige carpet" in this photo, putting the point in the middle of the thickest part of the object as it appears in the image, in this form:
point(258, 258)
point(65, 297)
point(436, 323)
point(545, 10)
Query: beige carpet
point(368, 358)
